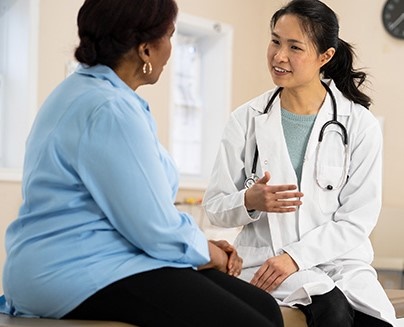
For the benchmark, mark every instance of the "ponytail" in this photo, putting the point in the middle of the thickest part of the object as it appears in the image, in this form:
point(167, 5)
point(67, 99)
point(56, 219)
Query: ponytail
point(321, 24)
point(347, 79)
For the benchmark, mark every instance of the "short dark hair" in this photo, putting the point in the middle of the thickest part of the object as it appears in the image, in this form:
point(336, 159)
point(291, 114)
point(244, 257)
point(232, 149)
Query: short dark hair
point(110, 28)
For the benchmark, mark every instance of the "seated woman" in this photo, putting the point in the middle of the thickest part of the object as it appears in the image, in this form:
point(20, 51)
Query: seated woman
point(98, 236)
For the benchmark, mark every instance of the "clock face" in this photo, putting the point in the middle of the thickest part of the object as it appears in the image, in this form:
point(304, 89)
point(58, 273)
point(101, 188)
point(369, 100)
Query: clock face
point(393, 18)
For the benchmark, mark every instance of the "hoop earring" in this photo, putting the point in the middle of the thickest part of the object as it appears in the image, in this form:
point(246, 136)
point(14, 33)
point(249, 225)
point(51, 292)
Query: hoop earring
point(147, 68)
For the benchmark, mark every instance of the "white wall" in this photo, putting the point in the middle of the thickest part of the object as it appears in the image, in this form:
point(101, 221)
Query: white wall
point(377, 51)
point(19, 48)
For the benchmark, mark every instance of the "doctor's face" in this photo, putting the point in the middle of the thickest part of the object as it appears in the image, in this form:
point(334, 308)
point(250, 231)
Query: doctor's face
point(293, 60)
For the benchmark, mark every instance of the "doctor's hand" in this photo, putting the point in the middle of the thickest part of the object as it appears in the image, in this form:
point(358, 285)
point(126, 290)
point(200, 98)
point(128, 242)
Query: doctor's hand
point(235, 262)
point(274, 271)
point(272, 198)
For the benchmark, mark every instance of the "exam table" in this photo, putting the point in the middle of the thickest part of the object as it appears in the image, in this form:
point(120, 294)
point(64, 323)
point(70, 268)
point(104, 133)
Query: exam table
point(292, 317)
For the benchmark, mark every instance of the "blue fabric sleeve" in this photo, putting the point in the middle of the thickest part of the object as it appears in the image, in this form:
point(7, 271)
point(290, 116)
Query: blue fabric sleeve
point(124, 173)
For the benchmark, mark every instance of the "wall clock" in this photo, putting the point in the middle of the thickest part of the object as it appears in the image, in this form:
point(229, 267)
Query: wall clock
point(393, 18)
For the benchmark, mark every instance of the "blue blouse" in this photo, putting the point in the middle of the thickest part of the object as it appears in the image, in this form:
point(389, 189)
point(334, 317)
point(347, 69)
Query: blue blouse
point(98, 194)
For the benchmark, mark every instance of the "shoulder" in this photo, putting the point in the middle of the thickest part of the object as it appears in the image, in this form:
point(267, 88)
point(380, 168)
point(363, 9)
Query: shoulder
point(100, 84)
point(346, 107)
point(359, 121)
point(254, 106)
point(97, 95)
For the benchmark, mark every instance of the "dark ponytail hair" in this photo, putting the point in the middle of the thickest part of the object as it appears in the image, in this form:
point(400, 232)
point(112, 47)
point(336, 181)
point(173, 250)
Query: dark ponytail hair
point(321, 24)
point(110, 28)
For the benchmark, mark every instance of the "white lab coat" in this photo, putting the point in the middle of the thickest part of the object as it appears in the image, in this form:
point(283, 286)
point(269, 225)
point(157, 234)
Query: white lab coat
point(328, 236)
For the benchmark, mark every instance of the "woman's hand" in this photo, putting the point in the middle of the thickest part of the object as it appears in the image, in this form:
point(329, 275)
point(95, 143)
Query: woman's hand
point(235, 262)
point(218, 258)
point(272, 198)
point(274, 271)
point(223, 257)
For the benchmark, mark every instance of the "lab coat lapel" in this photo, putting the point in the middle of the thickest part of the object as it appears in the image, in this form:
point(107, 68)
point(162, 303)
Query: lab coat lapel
point(324, 115)
point(274, 157)
point(307, 184)
point(273, 152)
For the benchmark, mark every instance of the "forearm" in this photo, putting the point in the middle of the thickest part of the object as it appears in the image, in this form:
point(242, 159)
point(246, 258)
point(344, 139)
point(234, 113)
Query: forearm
point(218, 259)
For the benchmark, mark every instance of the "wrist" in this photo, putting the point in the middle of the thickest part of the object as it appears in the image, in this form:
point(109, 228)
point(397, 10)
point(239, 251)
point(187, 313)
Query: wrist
point(247, 203)
point(219, 258)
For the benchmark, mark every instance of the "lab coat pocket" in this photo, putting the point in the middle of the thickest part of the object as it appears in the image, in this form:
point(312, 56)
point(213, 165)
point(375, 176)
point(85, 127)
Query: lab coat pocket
point(329, 182)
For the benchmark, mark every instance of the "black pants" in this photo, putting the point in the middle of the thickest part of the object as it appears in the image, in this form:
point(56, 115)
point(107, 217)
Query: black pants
point(181, 297)
point(333, 310)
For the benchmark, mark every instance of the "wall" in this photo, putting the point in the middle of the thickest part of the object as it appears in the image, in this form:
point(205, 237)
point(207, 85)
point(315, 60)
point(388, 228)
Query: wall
point(379, 53)
point(382, 56)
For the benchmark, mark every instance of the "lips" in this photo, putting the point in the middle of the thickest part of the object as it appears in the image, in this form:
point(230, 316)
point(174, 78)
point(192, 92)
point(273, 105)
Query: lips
point(281, 70)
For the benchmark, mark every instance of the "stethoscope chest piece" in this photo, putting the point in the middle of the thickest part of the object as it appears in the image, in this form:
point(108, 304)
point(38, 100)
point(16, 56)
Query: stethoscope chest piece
point(250, 181)
point(327, 180)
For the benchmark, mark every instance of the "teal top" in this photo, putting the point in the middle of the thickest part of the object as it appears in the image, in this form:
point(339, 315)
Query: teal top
point(297, 130)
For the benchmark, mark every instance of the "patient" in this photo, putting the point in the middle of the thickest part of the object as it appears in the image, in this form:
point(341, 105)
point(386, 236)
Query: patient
point(98, 236)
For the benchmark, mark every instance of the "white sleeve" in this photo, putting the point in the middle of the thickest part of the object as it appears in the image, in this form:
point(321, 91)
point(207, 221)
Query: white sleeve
point(224, 197)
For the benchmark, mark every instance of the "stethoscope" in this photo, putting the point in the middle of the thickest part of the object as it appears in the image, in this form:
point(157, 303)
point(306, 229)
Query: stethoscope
point(250, 181)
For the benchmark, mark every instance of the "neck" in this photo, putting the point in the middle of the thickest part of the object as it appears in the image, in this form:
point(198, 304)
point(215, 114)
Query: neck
point(129, 70)
point(303, 101)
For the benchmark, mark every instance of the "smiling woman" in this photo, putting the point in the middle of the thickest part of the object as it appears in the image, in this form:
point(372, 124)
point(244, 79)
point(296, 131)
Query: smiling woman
point(304, 236)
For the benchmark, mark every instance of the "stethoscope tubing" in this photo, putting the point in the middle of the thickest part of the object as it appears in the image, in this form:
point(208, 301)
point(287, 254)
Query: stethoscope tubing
point(253, 178)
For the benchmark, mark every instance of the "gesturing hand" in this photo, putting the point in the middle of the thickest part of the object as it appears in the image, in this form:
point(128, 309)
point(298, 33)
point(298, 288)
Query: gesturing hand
point(272, 198)
point(274, 271)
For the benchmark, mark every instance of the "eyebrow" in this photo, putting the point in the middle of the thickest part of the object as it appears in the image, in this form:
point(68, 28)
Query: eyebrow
point(289, 40)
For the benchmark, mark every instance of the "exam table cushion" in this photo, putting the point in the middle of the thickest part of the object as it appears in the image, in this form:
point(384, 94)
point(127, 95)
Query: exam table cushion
point(292, 317)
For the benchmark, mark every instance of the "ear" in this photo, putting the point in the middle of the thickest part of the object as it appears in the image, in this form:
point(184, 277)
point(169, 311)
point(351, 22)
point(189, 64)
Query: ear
point(144, 52)
point(326, 56)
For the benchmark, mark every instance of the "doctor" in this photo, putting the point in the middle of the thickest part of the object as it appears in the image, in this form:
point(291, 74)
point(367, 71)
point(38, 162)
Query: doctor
point(307, 217)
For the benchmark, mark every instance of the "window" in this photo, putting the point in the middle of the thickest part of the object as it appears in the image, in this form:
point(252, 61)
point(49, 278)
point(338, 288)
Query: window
point(201, 94)
point(187, 114)
point(18, 65)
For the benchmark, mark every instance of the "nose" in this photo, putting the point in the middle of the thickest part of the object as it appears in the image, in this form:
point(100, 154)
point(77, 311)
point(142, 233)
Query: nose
point(280, 54)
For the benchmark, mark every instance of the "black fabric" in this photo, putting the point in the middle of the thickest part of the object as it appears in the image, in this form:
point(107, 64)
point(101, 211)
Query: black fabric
point(333, 310)
point(364, 320)
point(181, 298)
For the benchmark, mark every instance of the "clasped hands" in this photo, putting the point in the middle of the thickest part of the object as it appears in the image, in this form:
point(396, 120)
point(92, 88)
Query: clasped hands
point(223, 257)
point(268, 198)
point(268, 277)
